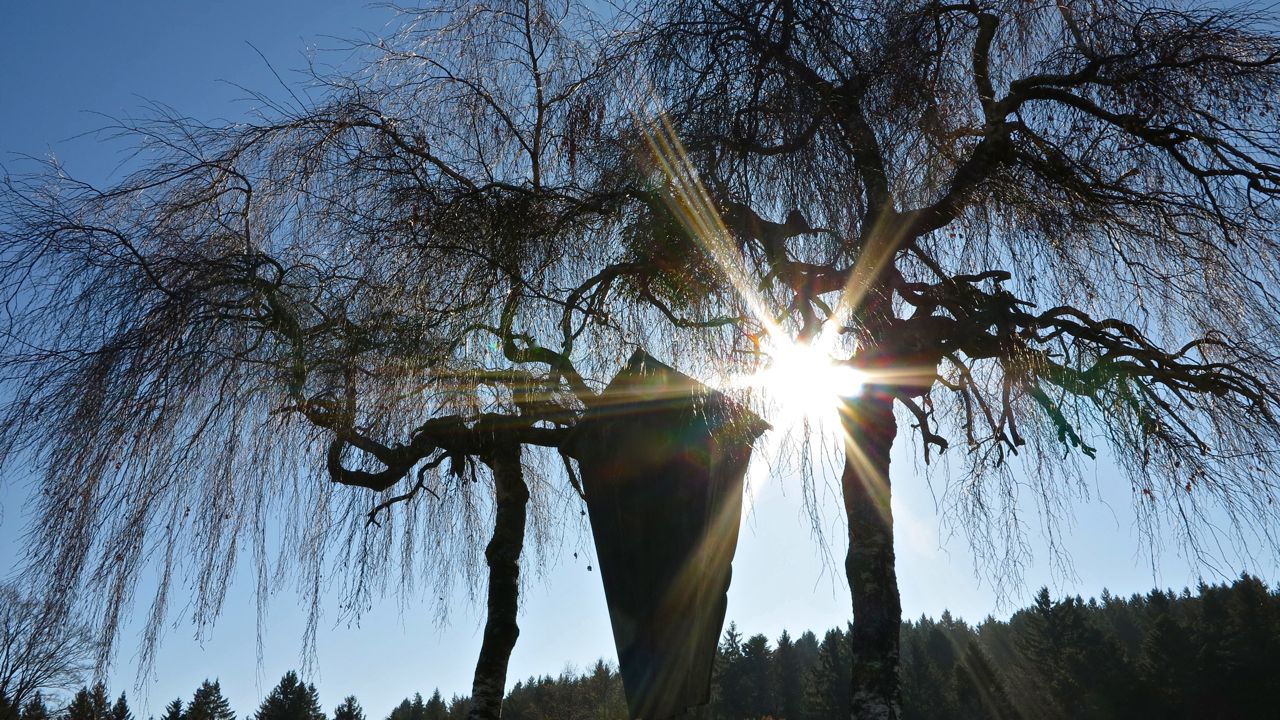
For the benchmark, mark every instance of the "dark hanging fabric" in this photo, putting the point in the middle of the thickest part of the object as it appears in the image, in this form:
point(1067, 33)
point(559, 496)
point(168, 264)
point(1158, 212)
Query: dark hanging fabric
point(662, 459)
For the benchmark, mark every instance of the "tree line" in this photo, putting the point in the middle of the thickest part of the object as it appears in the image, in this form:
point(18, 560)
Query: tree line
point(1213, 653)
point(291, 699)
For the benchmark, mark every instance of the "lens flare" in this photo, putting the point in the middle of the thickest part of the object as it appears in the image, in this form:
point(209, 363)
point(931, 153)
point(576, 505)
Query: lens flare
point(804, 380)
point(808, 380)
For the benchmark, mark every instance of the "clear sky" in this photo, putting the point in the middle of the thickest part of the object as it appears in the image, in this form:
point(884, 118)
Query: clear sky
point(66, 63)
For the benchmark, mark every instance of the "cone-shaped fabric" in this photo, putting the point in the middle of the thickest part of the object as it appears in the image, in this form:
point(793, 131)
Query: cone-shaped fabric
point(662, 460)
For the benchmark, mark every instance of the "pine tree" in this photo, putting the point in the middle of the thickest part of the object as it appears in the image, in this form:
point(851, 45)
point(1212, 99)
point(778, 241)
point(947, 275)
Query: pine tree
point(827, 685)
point(1038, 641)
point(414, 709)
point(789, 677)
point(35, 708)
point(603, 688)
point(756, 676)
point(173, 711)
point(120, 711)
point(977, 688)
point(1084, 671)
point(208, 704)
point(1214, 657)
point(348, 710)
point(1253, 646)
point(292, 700)
point(728, 675)
point(1123, 621)
point(1168, 661)
point(459, 707)
point(89, 704)
point(8, 710)
point(401, 711)
point(806, 651)
point(923, 684)
point(436, 708)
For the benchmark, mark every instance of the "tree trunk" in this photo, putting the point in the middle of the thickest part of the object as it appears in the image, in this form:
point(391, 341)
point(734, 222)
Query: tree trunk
point(869, 426)
point(503, 558)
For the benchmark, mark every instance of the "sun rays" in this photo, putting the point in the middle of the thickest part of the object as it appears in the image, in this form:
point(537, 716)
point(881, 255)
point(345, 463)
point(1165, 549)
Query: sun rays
point(809, 385)
point(804, 381)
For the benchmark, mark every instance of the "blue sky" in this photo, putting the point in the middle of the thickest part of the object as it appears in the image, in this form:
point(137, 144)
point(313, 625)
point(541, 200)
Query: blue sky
point(67, 64)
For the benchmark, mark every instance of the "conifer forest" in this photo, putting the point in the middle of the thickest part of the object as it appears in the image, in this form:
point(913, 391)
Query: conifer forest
point(1209, 653)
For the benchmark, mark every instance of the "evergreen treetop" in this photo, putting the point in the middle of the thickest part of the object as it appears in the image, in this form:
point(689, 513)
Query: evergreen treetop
point(173, 711)
point(208, 704)
point(120, 710)
point(349, 710)
point(35, 709)
point(89, 704)
point(291, 699)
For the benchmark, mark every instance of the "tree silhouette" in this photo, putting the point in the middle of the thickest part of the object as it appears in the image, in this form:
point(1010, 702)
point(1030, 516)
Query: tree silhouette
point(956, 671)
point(435, 708)
point(408, 710)
point(1037, 227)
point(758, 688)
point(35, 709)
point(789, 662)
point(37, 650)
point(1115, 658)
point(302, 340)
point(291, 699)
point(349, 710)
point(173, 711)
point(402, 349)
point(120, 709)
point(1168, 660)
point(89, 704)
point(208, 703)
point(826, 689)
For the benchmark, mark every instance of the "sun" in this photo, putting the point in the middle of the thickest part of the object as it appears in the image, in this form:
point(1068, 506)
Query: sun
point(805, 380)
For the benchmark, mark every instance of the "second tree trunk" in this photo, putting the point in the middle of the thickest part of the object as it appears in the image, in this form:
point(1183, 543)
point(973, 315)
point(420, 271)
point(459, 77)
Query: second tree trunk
point(870, 428)
point(511, 497)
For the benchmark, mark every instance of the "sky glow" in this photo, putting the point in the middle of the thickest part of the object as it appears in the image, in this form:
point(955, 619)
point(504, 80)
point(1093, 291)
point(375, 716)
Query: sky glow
point(805, 381)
